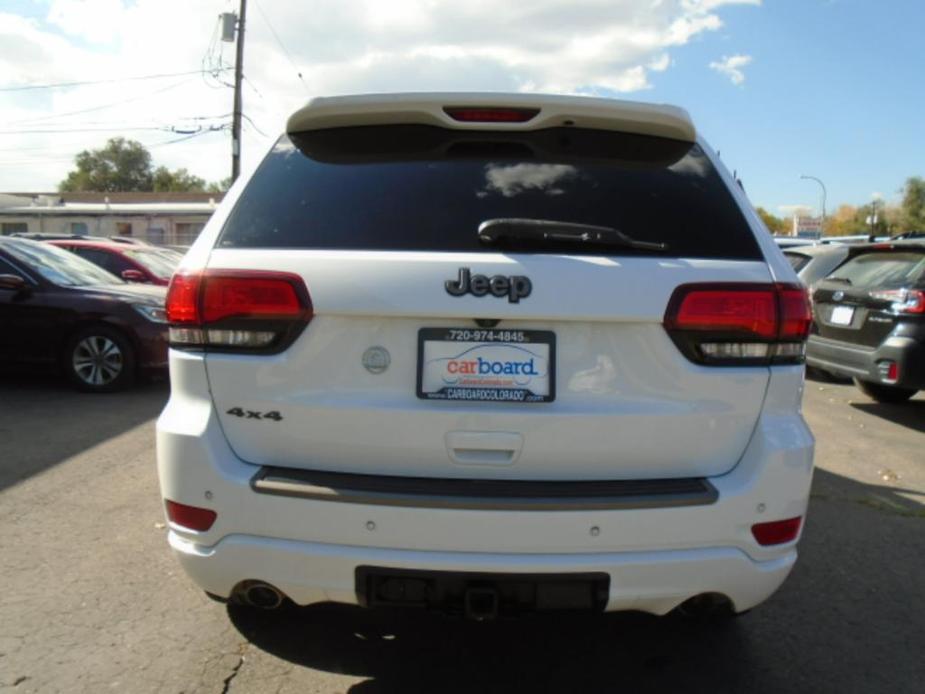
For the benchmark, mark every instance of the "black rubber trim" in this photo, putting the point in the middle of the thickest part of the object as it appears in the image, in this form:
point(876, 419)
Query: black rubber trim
point(482, 494)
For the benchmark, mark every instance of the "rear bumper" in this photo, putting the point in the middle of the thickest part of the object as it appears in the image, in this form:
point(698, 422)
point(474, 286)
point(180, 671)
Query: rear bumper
point(656, 556)
point(865, 363)
point(654, 582)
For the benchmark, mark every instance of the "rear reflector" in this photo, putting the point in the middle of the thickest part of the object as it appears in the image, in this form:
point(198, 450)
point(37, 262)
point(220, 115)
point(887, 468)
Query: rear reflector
point(739, 323)
point(469, 114)
point(237, 310)
point(777, 532)
point(192, 517)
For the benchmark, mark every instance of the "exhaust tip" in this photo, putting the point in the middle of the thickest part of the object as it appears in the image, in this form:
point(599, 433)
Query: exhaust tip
point(260, 595)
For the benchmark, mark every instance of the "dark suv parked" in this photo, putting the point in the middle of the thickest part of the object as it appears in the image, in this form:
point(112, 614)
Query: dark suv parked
point(60, 310)
point(870, 320)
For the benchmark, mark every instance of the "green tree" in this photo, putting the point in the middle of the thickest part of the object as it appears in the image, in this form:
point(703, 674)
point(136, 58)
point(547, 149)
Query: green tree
point(125, 165)
point(179, 181)
point(122, 165)
point(775, 224)
point(219, 186)
point(912, 214)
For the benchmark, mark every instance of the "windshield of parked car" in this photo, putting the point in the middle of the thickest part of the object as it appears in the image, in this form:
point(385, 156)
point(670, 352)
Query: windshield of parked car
point(59, 266)
point(156, 262)
point(883, 269)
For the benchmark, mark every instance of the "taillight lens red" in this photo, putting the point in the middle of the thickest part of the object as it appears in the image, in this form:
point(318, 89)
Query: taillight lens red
point(777, 532)
point(750, 311)
point(470, 114)
point(730, 323)
point(249, 296)
point(237, 310)
point(192, 517)
point(183, 299)
point(902, 300)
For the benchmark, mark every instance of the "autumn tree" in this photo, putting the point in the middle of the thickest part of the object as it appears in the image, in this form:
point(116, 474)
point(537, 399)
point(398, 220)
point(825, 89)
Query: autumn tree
point(776, 225)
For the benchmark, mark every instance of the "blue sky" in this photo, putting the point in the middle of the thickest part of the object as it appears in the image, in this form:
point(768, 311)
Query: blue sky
point(829, 88)
point(834, 90)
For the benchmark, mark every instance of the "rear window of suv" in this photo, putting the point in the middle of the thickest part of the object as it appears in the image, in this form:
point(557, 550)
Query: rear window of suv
point(424, 188)
point(883, 269)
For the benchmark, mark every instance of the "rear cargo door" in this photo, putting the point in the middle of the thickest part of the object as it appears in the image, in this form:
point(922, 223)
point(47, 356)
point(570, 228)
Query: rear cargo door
point(433, 353)
point(856, 303)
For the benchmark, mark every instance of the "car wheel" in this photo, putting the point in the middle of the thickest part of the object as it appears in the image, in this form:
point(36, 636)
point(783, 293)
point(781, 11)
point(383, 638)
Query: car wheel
point(100, 360)
point(882, 393)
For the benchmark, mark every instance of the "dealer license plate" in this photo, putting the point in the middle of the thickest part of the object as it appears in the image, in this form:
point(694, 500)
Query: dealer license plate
point(486, 364)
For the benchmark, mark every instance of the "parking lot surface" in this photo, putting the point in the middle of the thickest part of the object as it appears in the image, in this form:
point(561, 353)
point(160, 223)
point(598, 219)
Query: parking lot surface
point(93, 601)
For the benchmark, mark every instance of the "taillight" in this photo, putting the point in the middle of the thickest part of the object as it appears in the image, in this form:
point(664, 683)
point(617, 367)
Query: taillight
point(237, 310)
point(777, 532)
point(192, 517)
point(737, 323)
point(902, 300)
point(487, 114)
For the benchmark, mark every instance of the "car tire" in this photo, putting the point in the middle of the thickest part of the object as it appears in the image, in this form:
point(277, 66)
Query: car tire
point(882, 393)
point(100, 359)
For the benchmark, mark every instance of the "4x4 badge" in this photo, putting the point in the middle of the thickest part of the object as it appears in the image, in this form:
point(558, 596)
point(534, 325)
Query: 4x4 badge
point(515, 288)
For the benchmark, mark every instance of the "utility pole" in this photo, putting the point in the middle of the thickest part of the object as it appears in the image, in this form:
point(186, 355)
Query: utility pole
point(236, 114)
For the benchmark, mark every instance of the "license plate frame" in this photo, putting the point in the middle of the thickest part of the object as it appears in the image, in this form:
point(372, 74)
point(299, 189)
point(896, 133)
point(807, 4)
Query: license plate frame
point(488, 340)
point(842, 315)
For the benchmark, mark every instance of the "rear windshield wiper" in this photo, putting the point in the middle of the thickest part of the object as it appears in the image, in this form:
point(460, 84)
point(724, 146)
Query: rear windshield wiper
point(491, 230)
point(838, 279)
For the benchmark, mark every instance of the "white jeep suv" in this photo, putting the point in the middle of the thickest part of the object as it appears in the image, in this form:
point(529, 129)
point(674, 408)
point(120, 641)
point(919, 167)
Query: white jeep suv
point(486, 354)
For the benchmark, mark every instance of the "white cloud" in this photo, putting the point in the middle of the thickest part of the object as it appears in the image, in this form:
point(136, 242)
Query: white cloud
point(600, 47)
point(731, 66)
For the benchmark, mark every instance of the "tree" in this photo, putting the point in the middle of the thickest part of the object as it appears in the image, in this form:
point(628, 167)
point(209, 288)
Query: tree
point(912, 215)
point(122, 165)
point(125, 165)
point(219, 186)
point(776, 225)
point(179, 181)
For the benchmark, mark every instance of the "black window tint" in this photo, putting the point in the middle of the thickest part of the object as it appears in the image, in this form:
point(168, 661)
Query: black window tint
point(883, 269)
point(7, 269)
point(110, 262)
point(797, 260)
point(427, 188)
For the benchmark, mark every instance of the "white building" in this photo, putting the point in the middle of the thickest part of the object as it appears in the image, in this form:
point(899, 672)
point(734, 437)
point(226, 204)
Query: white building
point(173, 219)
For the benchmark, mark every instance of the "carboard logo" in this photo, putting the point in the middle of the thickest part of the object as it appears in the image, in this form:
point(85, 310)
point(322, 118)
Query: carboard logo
point(485, 367)
point(516, 287)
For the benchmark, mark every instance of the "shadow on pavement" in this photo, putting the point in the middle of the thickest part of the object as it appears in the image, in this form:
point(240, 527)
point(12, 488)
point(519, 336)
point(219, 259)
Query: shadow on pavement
point(59, 422)
point(841, 623)
point(908, 414)
point(413, 652)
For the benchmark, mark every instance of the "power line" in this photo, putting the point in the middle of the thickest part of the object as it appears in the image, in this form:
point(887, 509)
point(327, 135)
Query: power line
point(78, 130)
point(282, 45)
point(60, 85)
point(102, 107)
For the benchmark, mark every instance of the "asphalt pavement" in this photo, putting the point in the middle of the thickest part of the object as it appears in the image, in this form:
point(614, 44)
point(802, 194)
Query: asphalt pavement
point(93, 601)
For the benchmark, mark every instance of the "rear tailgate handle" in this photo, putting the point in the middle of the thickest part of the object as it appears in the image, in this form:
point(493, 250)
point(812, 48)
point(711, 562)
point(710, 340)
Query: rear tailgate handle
point(483, 447)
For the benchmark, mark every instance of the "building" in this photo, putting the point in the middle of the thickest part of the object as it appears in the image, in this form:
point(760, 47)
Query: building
point(170, 219)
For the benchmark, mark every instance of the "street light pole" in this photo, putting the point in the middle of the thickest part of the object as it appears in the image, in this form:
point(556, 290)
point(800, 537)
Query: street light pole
point(821, 185)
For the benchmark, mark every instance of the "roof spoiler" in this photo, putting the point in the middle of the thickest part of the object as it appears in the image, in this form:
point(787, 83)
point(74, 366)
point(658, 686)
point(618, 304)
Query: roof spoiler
point(535, 111)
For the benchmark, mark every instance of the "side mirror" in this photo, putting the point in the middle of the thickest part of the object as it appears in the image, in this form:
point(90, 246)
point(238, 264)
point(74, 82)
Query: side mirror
point(133, 276)
point(14, 282)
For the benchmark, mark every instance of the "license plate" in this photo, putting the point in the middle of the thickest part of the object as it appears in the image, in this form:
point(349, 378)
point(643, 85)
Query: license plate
point(842, 315)
point(486, 365)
